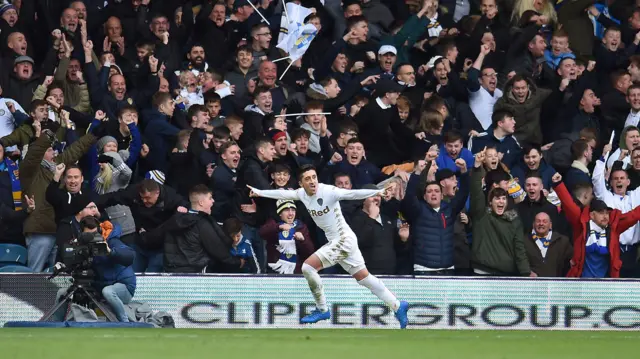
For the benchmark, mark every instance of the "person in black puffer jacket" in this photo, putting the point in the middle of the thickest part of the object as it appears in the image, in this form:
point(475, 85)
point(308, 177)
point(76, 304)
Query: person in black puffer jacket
point(194, 242)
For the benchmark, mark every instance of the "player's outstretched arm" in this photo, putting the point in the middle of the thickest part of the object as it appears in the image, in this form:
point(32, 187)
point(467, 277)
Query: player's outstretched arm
point(274, 193)
point(352, 194)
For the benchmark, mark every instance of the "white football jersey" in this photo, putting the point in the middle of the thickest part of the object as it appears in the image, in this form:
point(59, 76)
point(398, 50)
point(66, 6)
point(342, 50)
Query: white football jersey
point(324, 206)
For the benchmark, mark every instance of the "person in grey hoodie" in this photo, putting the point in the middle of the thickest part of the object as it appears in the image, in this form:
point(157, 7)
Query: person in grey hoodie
point(114, 174)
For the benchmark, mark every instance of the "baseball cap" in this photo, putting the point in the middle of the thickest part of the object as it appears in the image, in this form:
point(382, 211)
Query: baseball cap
point(283, 204)
point(385, 49)
point(23, 58)
point(386, 85)
point(598, 206)
point(444, 174)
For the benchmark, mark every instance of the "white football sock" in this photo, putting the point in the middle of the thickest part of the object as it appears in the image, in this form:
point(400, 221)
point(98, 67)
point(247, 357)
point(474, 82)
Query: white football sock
point(380, 290)
point(315, 284)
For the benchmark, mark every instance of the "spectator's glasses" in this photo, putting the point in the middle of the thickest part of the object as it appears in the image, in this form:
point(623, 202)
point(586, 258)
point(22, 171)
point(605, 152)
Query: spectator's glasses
point(495, 74)
point(268, 34)
point(92, 207)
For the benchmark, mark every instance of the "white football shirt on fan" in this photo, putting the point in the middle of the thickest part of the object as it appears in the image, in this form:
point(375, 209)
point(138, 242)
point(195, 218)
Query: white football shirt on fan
point(324, 206)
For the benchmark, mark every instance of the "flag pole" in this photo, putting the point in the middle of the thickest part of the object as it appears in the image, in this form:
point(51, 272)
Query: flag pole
point(285, 70)
point(259, 13)
point(284, 58)
point(303, 114)
point(286, 13)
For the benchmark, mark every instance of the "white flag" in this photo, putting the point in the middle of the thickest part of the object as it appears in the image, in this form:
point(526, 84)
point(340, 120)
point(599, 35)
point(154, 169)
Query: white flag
point(297, 14)
point(298, 40)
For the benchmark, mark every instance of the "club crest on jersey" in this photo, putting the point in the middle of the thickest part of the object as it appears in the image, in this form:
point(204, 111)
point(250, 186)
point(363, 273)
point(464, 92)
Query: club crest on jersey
point(319, 201)
point(319, 213)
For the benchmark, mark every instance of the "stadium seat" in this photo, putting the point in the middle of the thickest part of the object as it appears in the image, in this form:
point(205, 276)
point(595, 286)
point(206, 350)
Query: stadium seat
point(15, 269)
point(12, 254)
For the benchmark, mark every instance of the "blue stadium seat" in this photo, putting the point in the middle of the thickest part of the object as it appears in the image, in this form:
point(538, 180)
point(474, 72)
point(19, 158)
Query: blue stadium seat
point(12, 254)
point(15, 269)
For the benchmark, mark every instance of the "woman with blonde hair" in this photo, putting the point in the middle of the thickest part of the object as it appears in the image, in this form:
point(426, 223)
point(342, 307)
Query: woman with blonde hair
point(111, 173)
point(546, 13)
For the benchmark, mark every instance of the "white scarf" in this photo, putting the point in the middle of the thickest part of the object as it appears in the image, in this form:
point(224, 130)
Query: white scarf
point(596, 239)
point(434, 27)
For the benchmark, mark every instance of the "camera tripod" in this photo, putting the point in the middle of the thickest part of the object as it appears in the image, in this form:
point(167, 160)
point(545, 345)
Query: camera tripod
point(79, 289)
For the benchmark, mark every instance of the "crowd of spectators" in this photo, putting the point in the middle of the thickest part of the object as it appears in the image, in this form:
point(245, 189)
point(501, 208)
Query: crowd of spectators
point(510, 127)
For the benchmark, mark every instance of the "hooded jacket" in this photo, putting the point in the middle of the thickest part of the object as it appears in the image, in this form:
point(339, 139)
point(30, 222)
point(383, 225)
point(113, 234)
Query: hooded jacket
point(498, 245)
point(116, 267)
point(527, 114)
point(193, 241)
point(35, 179)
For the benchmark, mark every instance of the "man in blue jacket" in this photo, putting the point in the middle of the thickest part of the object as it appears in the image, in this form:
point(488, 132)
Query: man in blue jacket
point(500, 136)
point(161, 135)
point(452, 150)
point(432, 221)
point(113, 274)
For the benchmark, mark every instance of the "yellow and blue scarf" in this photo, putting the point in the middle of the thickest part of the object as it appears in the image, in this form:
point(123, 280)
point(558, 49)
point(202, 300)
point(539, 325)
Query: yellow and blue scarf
point(286, 263)
point(14, 175)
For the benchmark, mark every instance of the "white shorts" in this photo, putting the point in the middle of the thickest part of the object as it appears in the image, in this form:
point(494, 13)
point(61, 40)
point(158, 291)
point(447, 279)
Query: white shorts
point(342, 251)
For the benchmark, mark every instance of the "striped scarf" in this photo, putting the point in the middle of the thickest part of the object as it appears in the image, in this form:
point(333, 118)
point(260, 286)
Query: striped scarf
point(542, 242)
point(597, 239)
point(434, 27)
point(286, 264)
point(14, 175)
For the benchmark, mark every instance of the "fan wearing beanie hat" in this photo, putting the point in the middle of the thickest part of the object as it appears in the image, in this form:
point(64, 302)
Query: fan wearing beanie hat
point(288, 240)
point(109, 142)
point(9, 13)
point(83, 203)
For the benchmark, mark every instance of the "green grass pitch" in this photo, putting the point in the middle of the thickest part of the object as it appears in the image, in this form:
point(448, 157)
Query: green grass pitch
point(312, 343)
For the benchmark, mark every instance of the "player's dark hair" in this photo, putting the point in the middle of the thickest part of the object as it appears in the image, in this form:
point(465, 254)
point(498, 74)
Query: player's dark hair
point(304, 169)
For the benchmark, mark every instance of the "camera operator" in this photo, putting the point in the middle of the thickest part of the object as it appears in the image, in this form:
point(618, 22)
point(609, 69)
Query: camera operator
point(113, 274)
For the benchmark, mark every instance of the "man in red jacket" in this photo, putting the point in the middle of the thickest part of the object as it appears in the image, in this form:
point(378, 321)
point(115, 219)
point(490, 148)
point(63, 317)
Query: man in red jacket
point(596, 233)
